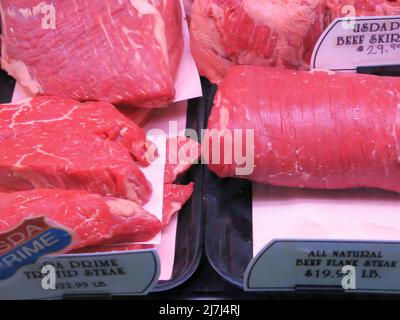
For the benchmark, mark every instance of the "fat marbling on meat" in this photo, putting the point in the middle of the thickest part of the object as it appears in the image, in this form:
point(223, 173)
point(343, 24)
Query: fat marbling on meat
point(101, 119)
point(66, 156)
point(90, 218)
point(124, 52)
point(279, 33)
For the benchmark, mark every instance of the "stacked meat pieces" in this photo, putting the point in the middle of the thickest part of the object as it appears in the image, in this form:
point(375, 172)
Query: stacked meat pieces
point(78, 164)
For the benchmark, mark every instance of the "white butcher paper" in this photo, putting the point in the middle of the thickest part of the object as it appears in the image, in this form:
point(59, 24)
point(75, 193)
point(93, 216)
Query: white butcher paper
point(187, 85)
point(155, 173)
point(166, 249)
point(295, 214)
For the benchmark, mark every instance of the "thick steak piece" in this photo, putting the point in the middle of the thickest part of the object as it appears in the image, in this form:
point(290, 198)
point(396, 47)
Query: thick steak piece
point(124, 52)
point(102, 119)
point(279, 33)
point(90, 218)
point(175, 196)
point(66, 156)
point(311, 129)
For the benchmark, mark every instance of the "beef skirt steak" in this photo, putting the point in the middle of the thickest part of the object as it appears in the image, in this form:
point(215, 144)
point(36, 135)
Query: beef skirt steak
point(280, 33)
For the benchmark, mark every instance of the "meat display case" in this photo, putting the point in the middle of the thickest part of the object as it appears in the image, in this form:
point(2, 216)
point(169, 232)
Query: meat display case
point(225, 231)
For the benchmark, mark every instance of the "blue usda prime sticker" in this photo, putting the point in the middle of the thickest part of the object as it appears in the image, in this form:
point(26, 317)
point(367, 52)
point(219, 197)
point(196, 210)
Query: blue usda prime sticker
point(28, 242)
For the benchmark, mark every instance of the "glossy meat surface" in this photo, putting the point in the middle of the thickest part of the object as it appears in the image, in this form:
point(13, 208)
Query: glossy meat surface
point(101, 119)
point(279, 33)
point(90, 218)
point(124, 52)
point(66, 156)
point(312, 129)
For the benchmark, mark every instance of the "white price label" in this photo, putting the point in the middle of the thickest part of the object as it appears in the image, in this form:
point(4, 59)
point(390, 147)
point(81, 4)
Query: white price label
point(349, 266)
point(370, 41)
point(125, 273)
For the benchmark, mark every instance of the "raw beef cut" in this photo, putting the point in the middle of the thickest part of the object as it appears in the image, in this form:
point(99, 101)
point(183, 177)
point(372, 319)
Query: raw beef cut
point(364, 7)
point(124, 52)
point(261, 32)
point(66, 156)
point(175, 196)
point(140, 116)
point(320, 130)
point(188, 9)
point(182, 153)
point(90, 218)
point(102, 119)
point(113, 248)
point(266, 32)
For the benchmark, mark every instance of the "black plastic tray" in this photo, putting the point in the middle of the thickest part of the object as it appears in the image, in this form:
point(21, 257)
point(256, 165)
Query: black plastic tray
point(228, 207)
point(228, 231)
point(190, 229)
